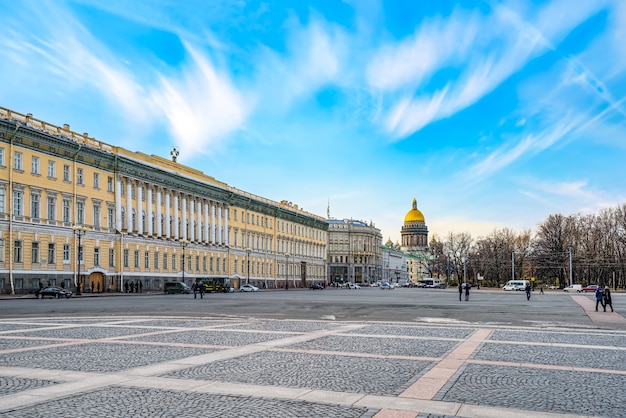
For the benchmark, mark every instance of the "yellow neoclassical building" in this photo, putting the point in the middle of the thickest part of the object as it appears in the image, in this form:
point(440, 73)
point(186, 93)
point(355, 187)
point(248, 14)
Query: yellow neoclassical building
point(79, 213)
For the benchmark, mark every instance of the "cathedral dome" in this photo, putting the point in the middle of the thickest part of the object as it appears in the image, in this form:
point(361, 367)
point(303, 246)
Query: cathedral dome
point(414, 215)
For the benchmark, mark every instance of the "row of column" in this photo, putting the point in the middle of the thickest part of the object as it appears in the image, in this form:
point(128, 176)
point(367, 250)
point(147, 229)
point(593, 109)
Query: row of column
point(208, 220)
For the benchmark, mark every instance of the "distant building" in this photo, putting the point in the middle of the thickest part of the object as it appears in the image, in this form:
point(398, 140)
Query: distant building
point(354, 251)
point(394, 263)
point(415, 243)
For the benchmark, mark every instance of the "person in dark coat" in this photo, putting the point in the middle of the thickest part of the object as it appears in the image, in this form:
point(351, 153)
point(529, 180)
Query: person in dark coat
point(527, 289)
point(607, 299)
point(460, 290)
point(599, 298)
point(467, 289)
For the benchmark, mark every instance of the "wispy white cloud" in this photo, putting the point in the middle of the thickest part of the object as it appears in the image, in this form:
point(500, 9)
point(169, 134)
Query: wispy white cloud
point(202, 106)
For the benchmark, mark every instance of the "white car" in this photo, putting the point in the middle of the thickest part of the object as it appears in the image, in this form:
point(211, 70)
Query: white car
point(353, 286)
point(248, 288)
point(386, 286)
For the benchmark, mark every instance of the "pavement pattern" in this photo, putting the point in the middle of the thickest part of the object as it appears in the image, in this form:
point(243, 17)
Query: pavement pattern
point(253, 367)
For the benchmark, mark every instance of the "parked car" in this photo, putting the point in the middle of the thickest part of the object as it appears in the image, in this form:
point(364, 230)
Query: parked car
point(316, 286)
point(176, 287)
point(248, 288)
point(54, 292)
point(573, 288)
point(591, 288)
point(353, 286)
point(386, 286)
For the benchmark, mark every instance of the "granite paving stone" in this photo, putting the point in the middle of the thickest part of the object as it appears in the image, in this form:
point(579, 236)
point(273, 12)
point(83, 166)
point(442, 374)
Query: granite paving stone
point(616, 340)
point(98, 357)
point(378, 345)
point(288, 326)
point(9, 385)
point(85, 332)
point(546, 390)
point(211, 337)
point(414, 331)
point(17, 343)
point(151, 403)
point(328, 372)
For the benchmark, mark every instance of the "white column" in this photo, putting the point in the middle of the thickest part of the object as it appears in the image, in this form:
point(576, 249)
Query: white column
point(176, 231)
point(168, 205)
point(192, 215)
point(226, 234)
point(118, 203)
point(139, 208)
point(213, 222)
point(149, 210)
point(183, 224)
point(207, 237)
point(199, 220)
point(219, 225)
point(158, 212)
point(129, 206)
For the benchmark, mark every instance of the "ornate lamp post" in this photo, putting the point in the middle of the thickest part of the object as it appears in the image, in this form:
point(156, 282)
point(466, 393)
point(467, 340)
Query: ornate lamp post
point(287, 272)
point(183, 243)
point(248, 250)
point(79, 231)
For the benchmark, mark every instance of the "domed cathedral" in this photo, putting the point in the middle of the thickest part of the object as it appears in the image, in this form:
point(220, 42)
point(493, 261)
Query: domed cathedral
point(414, 232)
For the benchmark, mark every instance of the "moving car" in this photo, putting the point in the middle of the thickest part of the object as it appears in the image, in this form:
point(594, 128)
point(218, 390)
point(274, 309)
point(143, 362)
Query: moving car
point(353, 286)
point(54, 292)
point(316, 286)
point(591, 288)
point(386, 286)
point(516, 285)
point(176, 287)
point(573, 287)
point(248, 288)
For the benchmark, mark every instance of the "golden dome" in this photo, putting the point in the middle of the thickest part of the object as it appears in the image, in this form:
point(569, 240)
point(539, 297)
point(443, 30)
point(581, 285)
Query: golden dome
point(414, 215)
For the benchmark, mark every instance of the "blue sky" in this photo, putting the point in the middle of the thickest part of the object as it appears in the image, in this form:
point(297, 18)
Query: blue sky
point(491, 114)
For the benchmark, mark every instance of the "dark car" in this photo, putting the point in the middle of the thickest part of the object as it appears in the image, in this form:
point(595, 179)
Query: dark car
point(590, 288)
point(315, 286)
point(53, 291)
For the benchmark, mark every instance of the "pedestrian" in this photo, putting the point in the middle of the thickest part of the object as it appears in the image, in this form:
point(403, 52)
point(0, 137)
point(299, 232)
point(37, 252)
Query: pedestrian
point(460, 290)
point(467, 289)
point(599, 298)
point(140, 286)
point(201, 289)
point(527, 289)
point(194, 287)
point(126, 287)
point(541, 289)
point(607, 298)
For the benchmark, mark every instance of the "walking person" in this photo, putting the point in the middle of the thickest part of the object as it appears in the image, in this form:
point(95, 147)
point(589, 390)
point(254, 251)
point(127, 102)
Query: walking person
point(599, 298)
point(607, 298)
point(194, 287)
point(460, 290)
point(541, 290)
point(527, 289)
point(201, 289)
point(467, 289)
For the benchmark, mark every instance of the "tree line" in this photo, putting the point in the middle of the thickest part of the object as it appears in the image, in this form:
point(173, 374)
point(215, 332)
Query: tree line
point(589, 249)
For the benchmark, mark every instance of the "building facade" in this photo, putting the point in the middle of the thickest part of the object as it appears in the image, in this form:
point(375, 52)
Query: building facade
point(394, 263)
point(415, 243)
point(82, 214)
point(354, 252)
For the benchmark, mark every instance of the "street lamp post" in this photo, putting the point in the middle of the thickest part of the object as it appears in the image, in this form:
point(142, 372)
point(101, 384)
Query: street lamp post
point(184, 243)
point(248, 250)
point(79, 230)
point(287, 272)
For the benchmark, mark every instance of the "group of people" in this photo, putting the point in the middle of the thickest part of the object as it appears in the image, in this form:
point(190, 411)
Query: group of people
point(198, 288)
point(603, 297)
point(133, 287)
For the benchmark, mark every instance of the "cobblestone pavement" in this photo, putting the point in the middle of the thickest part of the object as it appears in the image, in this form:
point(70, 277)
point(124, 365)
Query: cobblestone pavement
point(234, 367)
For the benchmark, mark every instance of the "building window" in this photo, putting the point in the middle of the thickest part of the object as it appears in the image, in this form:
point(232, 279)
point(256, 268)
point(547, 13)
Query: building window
point(35, 166)
point(173, 261)
point(51, 208)
point(111, 218)
point(34, 253)
point(52, 169)
point(17, 252)
point(66, 210)
point(109, 184)
point(18, 161)
point(111, 257)
point(80, 213)
point(165, 261)
point(146, 260)
point(1, 157)
point(204, 263)
point(96, 216)
point(66, 172)
point(34, 206)
point(156, 260)
point(96, 181)
point(66, 253)
point(79, 176)
point(197, 263)
point(126, 261)
point(17, 203)
point(52, 253)
point(211, 265)
point(96, 256)
point(136, 259)
point(2, 198)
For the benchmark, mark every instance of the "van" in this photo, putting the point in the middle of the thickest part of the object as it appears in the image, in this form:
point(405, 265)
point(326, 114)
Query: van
point(518, 285)
point(573, 288)
point(431, 283)
point(176, 287)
